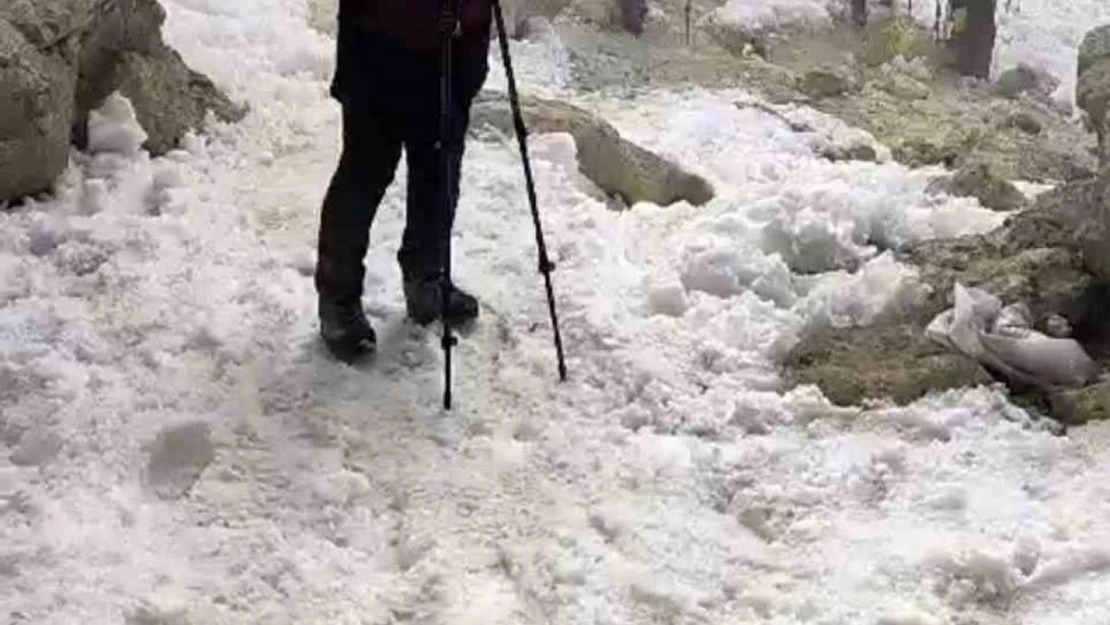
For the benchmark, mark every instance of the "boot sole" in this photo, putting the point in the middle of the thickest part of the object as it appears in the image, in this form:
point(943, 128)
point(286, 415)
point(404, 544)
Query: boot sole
point(428, 319)
point(459, 321)
point(348, 353)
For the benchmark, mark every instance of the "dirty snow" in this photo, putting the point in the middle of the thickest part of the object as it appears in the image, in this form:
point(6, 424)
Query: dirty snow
point(761, 14)
point(1042, 33)
point(670, 480)
point(1047, 34)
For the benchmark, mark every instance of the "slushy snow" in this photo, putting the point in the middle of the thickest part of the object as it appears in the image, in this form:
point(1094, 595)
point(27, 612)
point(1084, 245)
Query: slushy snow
point(672, 479)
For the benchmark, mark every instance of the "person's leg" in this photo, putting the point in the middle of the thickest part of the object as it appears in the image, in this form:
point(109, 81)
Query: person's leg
point(429, 218)
point(422, 252)
point(372, 142)
point(371, 152)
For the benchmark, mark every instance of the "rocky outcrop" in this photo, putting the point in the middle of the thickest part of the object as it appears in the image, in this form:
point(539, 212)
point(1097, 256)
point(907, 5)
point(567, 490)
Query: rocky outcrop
point(1026, 79)
point(1094, 47)
point(979, 180)
point(1024, 122)
point(1080, 215)
point(169, 98)
point(827, 81)
point(893, 362)
point(616, 165)
point(609, 15)
point(36, 106)
point(1092, 90)
point(1088, 404)
point(1051, 258)
point(905, 80)
point(69, 55)
point(892, 37)
point(1092, 94)
point(909, 98)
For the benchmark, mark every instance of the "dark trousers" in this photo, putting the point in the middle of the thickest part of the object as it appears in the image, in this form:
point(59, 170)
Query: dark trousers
point(390, 96)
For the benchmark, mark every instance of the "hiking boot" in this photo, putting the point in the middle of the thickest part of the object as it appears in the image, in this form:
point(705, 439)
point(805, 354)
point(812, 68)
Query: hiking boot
point(346, 330)
point(423, 300)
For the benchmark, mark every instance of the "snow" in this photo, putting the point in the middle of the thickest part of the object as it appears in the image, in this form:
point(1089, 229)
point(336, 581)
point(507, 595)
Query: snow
point(1042, 33)
point(1047, 34)
point(671, 479)
point(761, 14)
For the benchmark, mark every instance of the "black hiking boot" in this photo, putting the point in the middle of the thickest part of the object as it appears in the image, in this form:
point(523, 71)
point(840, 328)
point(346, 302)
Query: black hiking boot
point(346, 331)
point(423, 300)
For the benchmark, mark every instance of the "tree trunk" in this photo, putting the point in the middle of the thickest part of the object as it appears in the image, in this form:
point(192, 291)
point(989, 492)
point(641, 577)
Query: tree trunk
point(859, 12)
point(976, 45)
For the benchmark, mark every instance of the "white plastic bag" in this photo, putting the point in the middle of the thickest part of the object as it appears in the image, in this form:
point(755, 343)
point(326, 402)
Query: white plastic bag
point(1004, 340)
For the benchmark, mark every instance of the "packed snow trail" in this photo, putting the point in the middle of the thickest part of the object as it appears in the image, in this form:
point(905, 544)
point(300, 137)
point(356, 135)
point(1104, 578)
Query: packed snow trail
point(671, 480)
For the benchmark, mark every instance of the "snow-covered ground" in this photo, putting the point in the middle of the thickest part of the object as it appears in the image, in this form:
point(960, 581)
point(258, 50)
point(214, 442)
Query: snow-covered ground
point(671, 480)
point(1047, 33)
point(1043, 33)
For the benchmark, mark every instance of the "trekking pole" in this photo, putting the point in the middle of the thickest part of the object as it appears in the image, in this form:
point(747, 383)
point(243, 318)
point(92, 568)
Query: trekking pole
point(689, 11)
point(546, 266)
point(449, 25)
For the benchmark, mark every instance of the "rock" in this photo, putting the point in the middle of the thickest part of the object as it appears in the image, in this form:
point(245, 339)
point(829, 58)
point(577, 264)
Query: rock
point(124, 51)
point(1057, 326)
point(883, 362)
point(919, 111)
point(1026, 79)
point(826, 82)
point(902, 86)
point(169, 98)
point(1024, 122)
point(618, 166)
point(323, 16)
point(36, 106)
point(1033, 259)
point(737, 38)
point(921, 151)
point(520, 15)
point(607, 15)
point(889, 38)
point(72, 55)
point(745, 29)
point(150, 614)
point(536, 28)
point(1094, 47)
point(47, 23)
point(1092, 94)
point(178, 456)
point(853, 152)
point(979, 181)
point(1077, 213)
point(906, 80)
point(1048, 278)
point(37, 446)
point(1091, 403)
